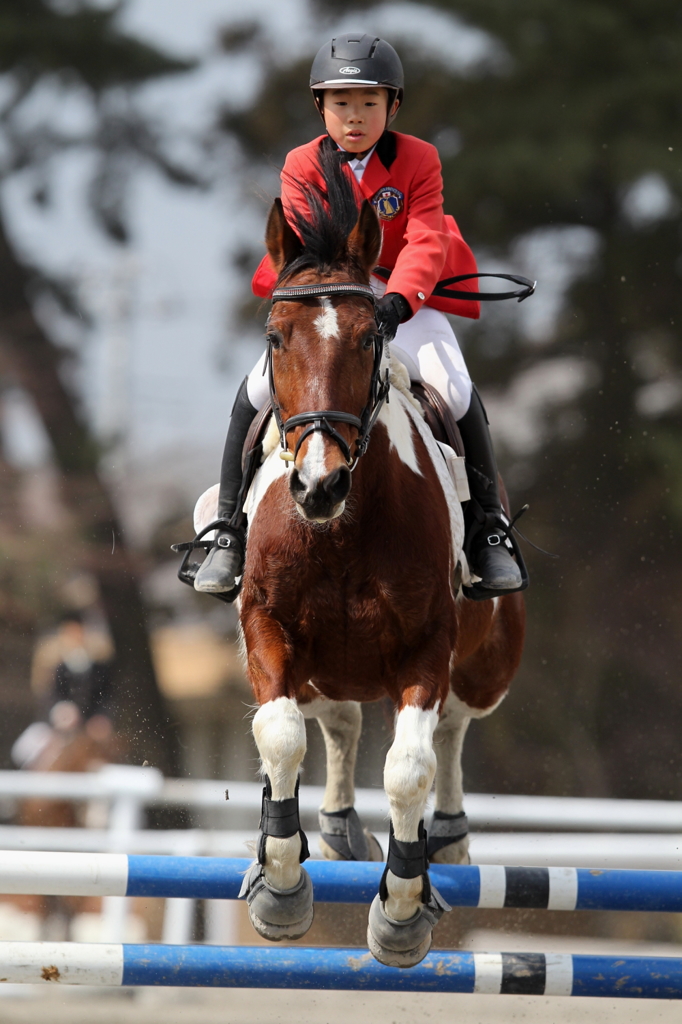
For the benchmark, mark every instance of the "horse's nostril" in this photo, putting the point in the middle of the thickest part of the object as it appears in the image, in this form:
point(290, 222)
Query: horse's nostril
point(337, 484)
point(296, 486)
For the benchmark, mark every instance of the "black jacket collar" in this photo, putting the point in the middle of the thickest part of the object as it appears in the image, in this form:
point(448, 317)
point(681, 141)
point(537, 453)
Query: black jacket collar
point(386, 147)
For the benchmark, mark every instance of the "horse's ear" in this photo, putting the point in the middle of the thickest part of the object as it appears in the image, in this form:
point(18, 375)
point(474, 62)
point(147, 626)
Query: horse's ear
point(282, 242)
point(364, 241)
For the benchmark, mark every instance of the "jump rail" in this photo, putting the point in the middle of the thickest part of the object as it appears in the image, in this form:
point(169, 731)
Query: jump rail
point(489, 886)
point(115, 964)
point(70, 963)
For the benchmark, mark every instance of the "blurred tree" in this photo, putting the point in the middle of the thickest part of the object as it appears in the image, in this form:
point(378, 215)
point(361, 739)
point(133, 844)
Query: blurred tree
point(569, 128)
point(70, 49)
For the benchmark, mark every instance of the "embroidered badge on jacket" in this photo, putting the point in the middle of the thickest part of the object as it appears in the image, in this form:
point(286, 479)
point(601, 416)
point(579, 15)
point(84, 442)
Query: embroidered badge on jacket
point(388, 202)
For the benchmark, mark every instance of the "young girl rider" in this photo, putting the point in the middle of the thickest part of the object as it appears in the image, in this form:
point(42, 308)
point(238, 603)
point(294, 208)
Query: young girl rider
point(357, 85)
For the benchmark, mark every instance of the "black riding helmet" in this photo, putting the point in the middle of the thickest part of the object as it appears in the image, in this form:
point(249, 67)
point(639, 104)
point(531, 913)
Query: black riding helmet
point(359, 61)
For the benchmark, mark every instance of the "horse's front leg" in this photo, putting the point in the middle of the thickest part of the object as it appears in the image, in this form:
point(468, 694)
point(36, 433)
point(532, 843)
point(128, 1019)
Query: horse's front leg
point(277, 889)
point(403, 915)
point(342, 834)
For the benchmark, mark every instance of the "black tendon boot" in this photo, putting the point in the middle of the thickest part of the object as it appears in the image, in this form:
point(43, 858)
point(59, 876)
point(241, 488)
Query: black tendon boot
point(225, 561)
point(486, 539)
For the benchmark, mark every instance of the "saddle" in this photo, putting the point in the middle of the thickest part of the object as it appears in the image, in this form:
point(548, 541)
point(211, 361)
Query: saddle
point(437, 415)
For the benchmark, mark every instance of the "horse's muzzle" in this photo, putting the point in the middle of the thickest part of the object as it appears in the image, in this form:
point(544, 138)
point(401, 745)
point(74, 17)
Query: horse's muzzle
point(321, 499)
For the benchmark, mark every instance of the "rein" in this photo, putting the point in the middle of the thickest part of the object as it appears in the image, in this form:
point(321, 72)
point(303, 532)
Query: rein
point(321, 421)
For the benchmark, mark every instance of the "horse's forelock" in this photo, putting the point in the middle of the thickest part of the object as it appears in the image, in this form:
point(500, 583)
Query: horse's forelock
point(324, 222)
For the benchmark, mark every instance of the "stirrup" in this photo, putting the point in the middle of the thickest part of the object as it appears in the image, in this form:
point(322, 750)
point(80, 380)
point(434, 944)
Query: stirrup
point(187, 572)
point(495, 521)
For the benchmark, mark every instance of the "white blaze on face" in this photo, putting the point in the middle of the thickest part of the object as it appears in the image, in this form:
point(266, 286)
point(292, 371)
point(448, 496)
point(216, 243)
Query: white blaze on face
point(314, 465)
point(327, 322)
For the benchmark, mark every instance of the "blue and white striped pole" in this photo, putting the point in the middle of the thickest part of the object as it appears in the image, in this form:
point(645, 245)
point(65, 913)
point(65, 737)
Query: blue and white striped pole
point(107, 874)
point(72, 963)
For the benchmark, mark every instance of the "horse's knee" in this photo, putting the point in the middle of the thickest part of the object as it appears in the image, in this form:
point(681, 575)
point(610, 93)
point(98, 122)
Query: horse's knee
point(410, 769)
point(279, 731)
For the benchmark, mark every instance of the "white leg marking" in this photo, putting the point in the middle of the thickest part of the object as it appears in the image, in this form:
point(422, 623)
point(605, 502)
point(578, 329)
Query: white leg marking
point(459, 707)
point(448, 740)
point(327, 323)
point(279, 731)
point(408, 776)
point(341, 725)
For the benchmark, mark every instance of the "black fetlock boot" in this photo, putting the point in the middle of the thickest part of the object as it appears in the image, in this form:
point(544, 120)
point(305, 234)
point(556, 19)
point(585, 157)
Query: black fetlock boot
point(487, 543)
point(225, 560)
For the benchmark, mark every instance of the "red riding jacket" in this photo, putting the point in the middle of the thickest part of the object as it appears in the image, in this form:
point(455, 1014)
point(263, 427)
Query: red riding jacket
point(421, 245)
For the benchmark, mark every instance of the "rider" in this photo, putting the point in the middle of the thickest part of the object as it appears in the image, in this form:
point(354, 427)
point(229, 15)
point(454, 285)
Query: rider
point(357, 85)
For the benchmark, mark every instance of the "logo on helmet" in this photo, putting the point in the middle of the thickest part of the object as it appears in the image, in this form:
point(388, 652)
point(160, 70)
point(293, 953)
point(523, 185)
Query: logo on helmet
point(349, 71)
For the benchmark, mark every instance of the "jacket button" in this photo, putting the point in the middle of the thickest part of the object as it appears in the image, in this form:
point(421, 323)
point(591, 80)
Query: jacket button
point(421, 296)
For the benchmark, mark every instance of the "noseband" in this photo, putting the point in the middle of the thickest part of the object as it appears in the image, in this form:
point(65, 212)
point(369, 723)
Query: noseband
point(322, 420)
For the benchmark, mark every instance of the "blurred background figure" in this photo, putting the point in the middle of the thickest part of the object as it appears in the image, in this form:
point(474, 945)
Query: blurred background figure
point(71, 682)
point(74, 665)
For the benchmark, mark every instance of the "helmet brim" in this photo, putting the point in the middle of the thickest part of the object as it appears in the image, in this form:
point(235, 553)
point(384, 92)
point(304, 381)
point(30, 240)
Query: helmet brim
point(335, 83)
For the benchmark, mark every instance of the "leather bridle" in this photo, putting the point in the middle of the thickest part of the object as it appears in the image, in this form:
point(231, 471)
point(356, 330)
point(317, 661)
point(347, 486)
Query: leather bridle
point(321, 421)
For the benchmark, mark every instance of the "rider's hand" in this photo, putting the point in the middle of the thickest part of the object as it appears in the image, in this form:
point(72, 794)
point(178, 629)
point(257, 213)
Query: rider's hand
point(392, 309)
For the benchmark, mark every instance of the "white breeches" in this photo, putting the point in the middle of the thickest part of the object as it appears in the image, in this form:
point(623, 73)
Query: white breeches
point(427, 346)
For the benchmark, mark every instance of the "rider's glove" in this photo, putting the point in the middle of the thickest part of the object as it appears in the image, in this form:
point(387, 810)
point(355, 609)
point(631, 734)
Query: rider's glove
point(392, 309)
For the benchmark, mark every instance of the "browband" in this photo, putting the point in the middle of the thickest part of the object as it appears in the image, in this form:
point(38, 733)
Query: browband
point(311, 291)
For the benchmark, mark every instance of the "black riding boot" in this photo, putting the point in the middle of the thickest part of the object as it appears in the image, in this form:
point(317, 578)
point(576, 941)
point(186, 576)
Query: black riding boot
point(485, 543)
point(225, 561)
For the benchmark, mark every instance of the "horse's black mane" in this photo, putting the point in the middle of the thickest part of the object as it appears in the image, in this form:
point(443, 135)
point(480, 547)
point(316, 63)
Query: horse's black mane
point(330, 215)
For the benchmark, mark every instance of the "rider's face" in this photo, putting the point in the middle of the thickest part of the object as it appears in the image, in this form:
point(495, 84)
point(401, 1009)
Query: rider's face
point(356, 118)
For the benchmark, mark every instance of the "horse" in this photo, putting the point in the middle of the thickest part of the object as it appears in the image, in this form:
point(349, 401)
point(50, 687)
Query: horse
point(351, 589)
point(70, 746)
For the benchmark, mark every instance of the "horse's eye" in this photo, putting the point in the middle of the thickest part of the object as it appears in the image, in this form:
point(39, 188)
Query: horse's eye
point(369, 340)
point(274, 339)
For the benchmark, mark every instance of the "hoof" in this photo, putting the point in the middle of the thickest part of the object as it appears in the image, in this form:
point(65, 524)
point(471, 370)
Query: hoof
point(278, 914)
point(344, 838)
point(403, 943)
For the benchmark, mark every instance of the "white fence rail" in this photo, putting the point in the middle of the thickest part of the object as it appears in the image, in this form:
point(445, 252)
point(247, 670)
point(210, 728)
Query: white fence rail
point(147, 787)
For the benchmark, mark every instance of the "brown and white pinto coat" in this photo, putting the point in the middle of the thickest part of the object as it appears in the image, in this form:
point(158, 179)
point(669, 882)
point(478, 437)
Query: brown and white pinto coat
point(350, 595)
